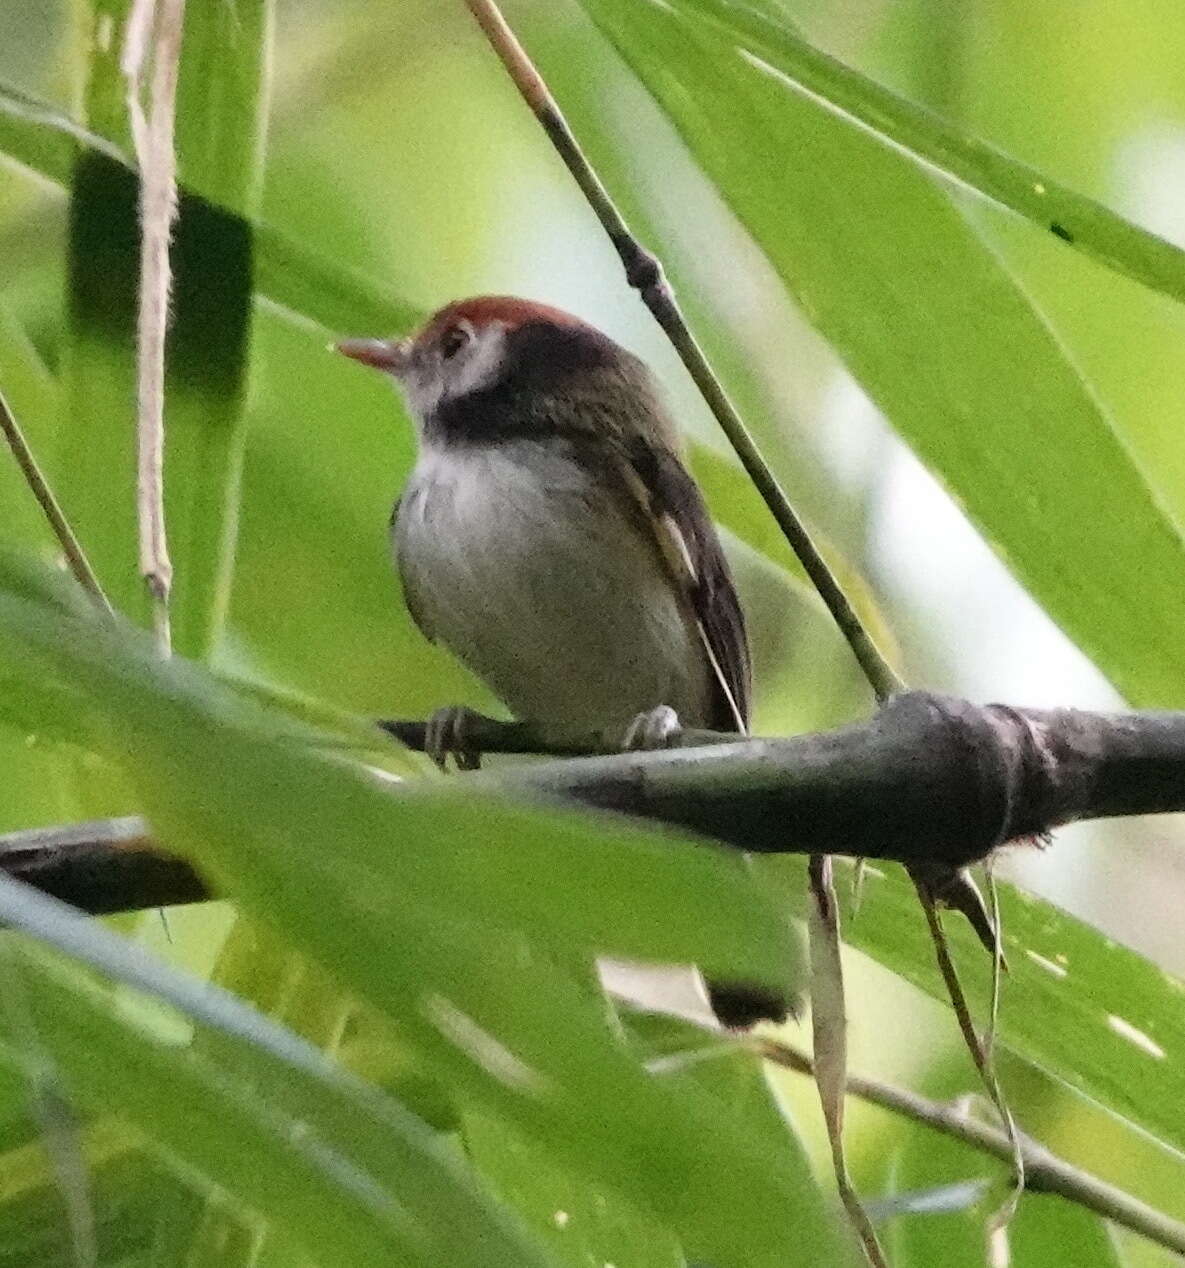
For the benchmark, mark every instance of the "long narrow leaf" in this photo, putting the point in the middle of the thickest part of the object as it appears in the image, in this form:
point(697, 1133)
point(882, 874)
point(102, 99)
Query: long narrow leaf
point(349, 1174)
point(1089, 226)
point(939, 335)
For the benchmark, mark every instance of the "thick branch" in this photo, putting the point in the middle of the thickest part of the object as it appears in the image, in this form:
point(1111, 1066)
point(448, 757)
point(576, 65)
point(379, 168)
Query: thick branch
point(931, 781)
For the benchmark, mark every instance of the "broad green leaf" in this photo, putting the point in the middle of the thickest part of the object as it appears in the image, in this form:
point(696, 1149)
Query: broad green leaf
point(1092, 228)
point(30, 388)
point(290, 275)
point(42, 138)
point(222, 100)
point(1045, 1233)
point(96, 458)
point(218, 139)
point(135, 1198)
point(36, 774)
point(221, 109)
point(433, 933)
point(31, 394)
point(223, 1131)
point(580, 1223)
point(945, 1221)
point(347, 1170)
point(683, 1056)
point(939, 336)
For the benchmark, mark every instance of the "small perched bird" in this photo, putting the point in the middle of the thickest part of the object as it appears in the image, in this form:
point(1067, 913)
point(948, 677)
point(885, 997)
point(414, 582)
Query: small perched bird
point(551, 537)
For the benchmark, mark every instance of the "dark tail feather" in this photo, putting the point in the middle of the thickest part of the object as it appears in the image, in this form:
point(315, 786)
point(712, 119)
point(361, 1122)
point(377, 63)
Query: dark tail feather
point(739, 1005)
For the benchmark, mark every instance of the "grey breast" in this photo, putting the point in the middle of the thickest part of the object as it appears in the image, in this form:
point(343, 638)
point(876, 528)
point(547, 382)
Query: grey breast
point(513, 558)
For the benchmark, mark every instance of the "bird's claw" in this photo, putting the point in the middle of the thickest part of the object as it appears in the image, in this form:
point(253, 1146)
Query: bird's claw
point(445, 735)
point(656, 728)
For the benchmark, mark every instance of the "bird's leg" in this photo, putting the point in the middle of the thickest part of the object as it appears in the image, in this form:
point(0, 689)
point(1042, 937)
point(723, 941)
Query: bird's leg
point(656, 728)
point(445, 734)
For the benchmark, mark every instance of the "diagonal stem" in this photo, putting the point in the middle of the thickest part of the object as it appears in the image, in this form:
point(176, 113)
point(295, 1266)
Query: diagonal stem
point(1044, 1172)
point(80, 565)
point(644, 273)
point(983, 1058)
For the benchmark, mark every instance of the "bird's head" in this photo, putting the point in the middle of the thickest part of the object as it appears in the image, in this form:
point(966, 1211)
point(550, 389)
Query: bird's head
point(495, 365)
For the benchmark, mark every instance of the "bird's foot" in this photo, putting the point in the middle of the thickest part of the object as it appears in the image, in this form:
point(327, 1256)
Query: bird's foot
point(656, 728)
point(445, 736)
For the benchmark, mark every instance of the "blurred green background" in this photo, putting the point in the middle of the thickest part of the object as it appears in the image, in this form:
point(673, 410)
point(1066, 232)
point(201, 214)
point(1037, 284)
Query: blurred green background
point(397, 151)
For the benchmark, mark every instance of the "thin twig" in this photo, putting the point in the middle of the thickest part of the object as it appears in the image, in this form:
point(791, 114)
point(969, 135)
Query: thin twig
point(981, 1055)
point(1044, 1171)
point(645, 274)
point(152, 131)
point(80, 566)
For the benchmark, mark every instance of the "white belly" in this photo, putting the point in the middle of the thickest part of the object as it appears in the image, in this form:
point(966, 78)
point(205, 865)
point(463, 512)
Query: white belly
point(546, 590)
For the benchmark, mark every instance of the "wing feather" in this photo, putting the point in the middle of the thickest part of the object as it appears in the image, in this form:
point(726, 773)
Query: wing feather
point(674, 513)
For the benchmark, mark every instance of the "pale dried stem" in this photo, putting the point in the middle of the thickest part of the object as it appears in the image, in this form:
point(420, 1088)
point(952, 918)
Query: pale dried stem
point(829, 1024)
point(154, 28)
point(1003, 1216)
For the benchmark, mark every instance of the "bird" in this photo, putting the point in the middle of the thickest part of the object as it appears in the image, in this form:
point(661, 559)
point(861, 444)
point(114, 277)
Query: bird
point(552, 538)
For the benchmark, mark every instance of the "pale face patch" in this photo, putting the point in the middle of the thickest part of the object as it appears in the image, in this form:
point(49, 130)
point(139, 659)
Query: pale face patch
point(447, 370)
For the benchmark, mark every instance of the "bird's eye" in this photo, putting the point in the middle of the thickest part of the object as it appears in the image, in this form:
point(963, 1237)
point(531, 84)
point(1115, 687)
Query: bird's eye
point(452, 341)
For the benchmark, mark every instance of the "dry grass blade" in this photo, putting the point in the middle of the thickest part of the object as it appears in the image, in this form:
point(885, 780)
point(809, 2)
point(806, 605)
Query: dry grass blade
point(154, 32)
point(829, 1024)
point(997, 1228)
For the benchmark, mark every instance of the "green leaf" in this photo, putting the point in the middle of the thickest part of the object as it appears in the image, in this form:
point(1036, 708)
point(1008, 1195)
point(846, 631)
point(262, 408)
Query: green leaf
point(134, 1197)
point(580, 1223)
point(440, 905)
point(683, 1056)
point(1087, 225)
point(220, 115)
point(31, 394)
point(95, 463)
point(291, 276)
point(1044, 1233)
point(939, 336)
point(220, 100)
point(349, 1173)
point(204, 382)
point(43, 139)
